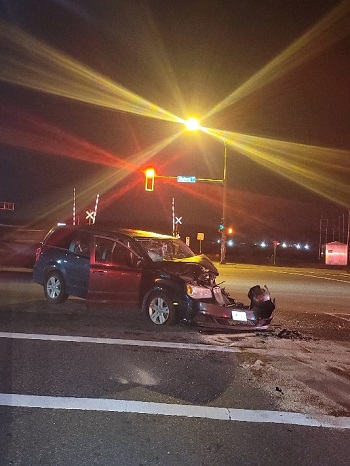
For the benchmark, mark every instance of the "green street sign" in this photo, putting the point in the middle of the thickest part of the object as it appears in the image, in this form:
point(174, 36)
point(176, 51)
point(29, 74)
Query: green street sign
point(186, 179)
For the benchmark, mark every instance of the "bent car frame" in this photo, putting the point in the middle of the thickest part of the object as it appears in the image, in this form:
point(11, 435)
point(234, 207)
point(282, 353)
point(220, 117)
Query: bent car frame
point(157, 274)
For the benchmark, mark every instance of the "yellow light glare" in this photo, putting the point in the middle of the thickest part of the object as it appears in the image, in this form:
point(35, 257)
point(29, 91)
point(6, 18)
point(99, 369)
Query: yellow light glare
point(330, 29)
point(323, 170)
point(28, 62)
point(192, 124)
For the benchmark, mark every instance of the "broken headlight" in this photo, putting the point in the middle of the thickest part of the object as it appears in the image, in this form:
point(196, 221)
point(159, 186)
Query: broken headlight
point(198, 292)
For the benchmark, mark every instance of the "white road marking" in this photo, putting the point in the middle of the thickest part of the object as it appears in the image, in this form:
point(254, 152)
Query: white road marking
point(227, 347)
point(312, 275)
point(166, 409)
point(118, 341)
point(339, 315)
point(127, 406)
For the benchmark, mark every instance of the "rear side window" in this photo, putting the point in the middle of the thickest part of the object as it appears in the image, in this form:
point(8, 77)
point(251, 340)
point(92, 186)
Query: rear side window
point(60, 238)
point(82, 244)
point(113, 252)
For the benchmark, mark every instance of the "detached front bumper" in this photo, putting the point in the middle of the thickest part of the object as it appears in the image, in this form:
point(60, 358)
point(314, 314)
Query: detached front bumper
point(233, 316)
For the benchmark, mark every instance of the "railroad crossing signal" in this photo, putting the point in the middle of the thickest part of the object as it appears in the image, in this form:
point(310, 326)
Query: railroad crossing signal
point(90, 215)
point(178, 220)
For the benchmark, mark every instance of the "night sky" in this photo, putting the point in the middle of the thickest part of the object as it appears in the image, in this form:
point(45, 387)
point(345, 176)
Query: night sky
point(184, 57)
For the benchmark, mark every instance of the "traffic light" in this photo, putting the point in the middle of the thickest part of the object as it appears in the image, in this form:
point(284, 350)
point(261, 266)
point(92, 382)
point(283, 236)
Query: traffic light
point(230, 231)
point(149, 179)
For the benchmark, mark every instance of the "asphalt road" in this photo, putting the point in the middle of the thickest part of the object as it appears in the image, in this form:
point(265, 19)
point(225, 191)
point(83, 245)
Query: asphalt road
point(82, 384)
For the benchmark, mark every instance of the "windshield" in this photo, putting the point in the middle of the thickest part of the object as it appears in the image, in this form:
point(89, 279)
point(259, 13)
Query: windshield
point(165, 249)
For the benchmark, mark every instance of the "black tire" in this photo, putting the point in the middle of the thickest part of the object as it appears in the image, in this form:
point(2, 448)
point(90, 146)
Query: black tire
point(55, 288)
point(160, 309)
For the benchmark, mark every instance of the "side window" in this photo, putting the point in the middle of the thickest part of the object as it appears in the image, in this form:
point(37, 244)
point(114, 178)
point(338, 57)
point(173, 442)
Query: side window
point(82, 244)
point(112, 252)
point(61, 238)
point(134, 250)
point(122, 256)
point(103, 249)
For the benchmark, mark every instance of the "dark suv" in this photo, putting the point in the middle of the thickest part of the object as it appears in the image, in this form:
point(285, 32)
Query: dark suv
point(156, 273)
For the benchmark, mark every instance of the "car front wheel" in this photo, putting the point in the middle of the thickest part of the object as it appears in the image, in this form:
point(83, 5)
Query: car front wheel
point(55, 289)
point(161, 309)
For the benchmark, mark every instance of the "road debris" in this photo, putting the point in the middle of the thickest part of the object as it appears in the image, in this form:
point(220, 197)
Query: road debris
point(292, 335)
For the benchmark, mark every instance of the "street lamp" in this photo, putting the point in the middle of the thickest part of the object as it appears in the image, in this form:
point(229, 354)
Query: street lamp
point(192, 124)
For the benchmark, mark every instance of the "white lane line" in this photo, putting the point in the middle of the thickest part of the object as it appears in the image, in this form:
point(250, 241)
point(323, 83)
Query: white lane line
point(118, 341)
point(312, 275)
point(166, 409)
point(339, 315)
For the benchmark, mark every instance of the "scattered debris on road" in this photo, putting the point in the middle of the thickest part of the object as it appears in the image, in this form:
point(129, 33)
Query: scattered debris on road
point(292, 335)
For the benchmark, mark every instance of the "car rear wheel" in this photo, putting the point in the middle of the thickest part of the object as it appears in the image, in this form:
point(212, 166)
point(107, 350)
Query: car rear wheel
point(160, 309)
point(55, 288)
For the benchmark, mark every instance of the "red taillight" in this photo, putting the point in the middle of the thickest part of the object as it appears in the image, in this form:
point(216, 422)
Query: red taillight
point(37, 254)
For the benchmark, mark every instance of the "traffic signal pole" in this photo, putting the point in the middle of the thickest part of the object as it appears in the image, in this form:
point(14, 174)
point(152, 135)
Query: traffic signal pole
point(224, 202)
point(149, 186)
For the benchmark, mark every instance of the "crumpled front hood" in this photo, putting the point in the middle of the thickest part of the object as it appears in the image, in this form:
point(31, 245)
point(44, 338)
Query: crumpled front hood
point(193, 267)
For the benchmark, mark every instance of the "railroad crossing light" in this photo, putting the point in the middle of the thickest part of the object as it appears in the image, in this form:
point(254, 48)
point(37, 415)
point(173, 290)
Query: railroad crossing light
point(149, 179)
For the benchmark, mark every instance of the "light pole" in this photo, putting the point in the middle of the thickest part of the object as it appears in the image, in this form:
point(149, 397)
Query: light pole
point(192, 124)
point(224, 198)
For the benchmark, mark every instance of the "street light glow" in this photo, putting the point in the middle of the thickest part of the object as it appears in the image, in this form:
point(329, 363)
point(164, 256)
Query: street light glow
point(192, 124)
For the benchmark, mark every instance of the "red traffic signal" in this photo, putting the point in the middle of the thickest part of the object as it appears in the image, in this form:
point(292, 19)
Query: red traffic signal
point(150, 173)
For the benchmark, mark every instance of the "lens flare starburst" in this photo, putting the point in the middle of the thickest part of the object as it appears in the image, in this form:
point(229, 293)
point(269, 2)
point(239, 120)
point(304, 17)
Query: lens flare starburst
point(30, 63)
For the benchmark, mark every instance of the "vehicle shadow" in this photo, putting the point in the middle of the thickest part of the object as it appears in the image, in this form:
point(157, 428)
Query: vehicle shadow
point(84, 318)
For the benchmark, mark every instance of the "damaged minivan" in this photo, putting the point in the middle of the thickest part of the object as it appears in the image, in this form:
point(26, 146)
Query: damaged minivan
point(157, 274)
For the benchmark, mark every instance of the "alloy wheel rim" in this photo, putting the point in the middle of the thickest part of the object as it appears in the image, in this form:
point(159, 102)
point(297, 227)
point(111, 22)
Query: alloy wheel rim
point(53, 287)
point(158, 311)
